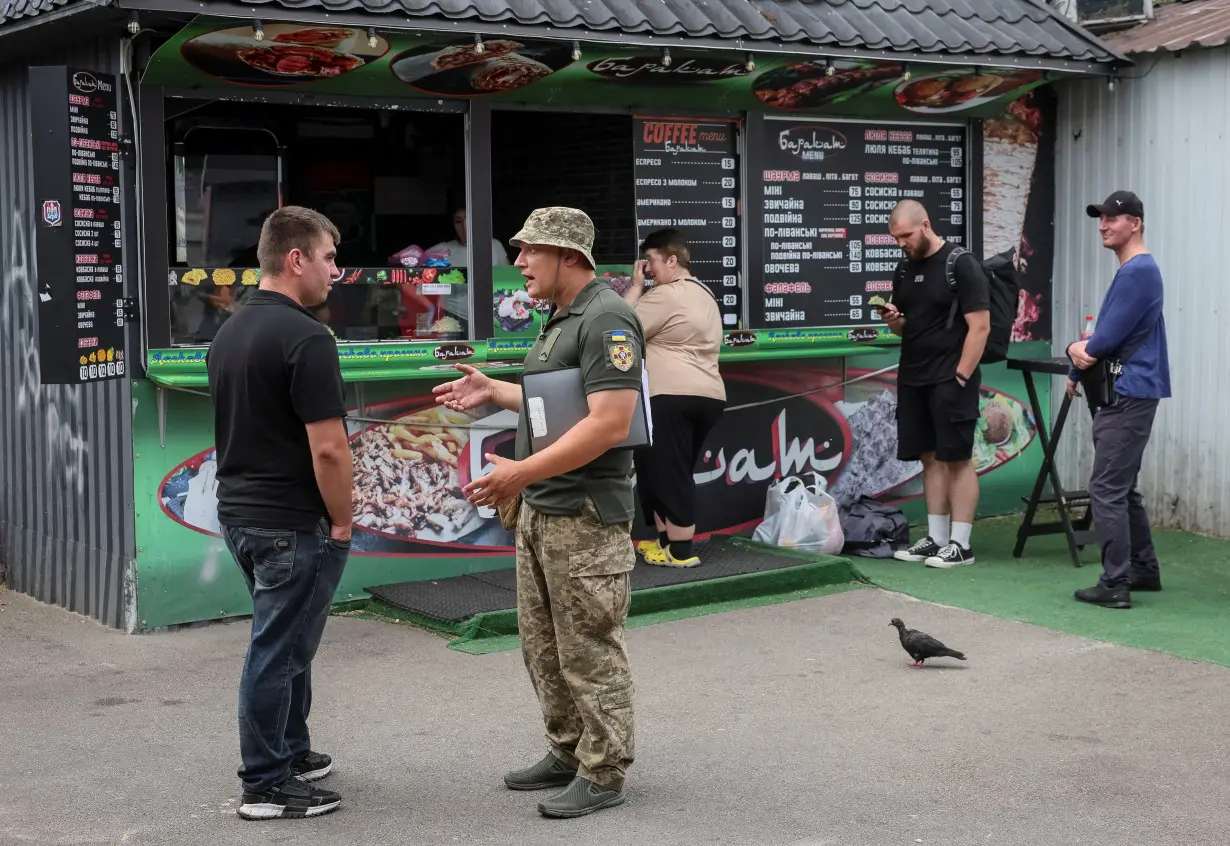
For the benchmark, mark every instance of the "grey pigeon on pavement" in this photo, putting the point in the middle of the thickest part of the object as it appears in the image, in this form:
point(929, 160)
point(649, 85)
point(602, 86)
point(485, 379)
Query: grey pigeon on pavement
point(922, 646)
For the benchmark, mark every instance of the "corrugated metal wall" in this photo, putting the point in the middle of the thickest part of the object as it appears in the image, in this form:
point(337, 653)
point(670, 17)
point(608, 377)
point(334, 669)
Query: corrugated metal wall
point(66, 524)
point(1165, 136)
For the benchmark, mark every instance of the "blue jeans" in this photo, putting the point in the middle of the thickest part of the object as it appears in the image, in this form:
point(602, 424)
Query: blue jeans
point(292, 576)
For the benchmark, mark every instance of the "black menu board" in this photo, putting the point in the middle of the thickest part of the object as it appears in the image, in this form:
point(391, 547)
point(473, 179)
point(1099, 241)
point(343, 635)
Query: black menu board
point(687, 178)
point(74, 129)
point(827, 190)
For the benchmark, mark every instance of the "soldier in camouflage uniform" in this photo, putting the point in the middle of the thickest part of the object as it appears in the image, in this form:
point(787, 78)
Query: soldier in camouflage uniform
point(573, 529)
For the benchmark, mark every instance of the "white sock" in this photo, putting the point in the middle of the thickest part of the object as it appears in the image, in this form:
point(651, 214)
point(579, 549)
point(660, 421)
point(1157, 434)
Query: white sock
point(937, 528)
point(961, 533)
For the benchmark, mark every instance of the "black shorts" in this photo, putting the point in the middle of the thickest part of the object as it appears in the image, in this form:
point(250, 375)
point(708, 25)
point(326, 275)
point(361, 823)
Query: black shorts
point(664, 470)
point(938, 418)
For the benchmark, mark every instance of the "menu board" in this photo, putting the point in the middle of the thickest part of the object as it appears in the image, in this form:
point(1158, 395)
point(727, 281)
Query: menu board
point(76, 156)
point(687, 178)
point(827, 190)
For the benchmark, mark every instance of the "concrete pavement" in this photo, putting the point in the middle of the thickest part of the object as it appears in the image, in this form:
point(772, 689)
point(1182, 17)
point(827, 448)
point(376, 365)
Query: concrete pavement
point(796, 724)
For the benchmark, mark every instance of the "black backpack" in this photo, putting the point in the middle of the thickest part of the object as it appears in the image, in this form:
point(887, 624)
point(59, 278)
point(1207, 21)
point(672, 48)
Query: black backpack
point(1005, 290)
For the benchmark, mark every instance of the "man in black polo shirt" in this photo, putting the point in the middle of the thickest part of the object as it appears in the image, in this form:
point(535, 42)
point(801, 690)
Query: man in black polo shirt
point(284, 501)
point(938, 379)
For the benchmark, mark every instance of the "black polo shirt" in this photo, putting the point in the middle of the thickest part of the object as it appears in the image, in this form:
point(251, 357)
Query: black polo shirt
point(273, 368)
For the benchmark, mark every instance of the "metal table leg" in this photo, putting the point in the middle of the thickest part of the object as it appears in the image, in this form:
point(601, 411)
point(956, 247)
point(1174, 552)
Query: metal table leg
point(1076, 536)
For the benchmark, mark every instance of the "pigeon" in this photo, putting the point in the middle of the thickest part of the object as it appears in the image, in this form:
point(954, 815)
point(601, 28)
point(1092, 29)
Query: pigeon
point(922, 646)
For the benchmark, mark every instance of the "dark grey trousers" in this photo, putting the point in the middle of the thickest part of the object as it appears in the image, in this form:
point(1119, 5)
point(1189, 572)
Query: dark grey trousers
point(1120, 435)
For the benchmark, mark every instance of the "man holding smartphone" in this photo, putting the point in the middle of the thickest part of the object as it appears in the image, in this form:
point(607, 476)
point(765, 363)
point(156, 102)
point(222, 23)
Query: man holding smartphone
point(938, 379)
point(284, 501)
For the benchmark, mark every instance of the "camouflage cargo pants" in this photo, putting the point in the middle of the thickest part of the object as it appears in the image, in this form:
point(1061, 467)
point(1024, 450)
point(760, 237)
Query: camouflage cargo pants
point(572, 601)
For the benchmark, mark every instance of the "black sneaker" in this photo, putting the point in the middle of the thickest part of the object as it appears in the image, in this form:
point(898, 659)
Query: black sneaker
point(953, 555)
point(581, 798)
point(549, 772)
point(293, 799)
point(312, 766)
point(1146, 583)
point(1106, 597)
point(920, 551)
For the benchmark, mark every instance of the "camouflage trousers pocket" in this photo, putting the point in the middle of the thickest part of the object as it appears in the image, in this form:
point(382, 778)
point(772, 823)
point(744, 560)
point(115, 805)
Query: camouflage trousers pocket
point(616, 698)
point(611, 558)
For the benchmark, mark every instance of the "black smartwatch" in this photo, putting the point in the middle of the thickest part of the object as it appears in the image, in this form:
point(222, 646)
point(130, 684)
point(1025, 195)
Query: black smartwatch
point(962, 379)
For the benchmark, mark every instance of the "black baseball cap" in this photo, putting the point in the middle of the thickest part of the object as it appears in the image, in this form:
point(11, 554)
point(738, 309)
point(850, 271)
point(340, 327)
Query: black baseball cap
point(1120, 202)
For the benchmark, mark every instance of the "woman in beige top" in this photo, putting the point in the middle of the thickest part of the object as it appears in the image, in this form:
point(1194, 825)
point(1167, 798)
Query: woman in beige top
point(683, 334)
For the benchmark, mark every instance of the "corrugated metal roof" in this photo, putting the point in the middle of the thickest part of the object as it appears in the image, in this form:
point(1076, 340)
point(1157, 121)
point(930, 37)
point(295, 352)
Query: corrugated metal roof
point(976, 27)
point(1181, 26)
point(990, 28)
point(11, 10)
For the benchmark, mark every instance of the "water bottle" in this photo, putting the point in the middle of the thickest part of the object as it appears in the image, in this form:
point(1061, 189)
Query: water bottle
point(1088, 333)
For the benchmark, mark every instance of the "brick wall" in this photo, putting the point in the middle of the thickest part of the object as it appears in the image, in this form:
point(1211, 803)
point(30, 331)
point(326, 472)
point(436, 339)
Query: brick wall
point(584, 161)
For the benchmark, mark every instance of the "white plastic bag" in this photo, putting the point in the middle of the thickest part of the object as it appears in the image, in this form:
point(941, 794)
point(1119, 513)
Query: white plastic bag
point(801, 515)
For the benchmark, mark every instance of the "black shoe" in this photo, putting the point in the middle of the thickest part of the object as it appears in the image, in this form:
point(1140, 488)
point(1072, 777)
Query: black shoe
point(1147, 583)
point(581, 798)
point(549, 772)
point(312, 766)
point(293, 799)
point(953, 555)
point(920, 551)
point(1106, 597)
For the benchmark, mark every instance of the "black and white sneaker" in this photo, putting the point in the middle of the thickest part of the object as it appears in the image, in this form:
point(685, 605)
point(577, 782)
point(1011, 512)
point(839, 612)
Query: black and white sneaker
point(312, 766)
point(293, 799)
point(921, 551)
point(953, 555)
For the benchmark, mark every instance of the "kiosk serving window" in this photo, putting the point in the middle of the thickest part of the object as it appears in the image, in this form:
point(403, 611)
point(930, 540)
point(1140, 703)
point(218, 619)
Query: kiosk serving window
point(393, 183)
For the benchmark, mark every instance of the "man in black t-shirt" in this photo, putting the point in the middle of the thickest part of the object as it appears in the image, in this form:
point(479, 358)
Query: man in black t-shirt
point(284, 501)
point(938, 379)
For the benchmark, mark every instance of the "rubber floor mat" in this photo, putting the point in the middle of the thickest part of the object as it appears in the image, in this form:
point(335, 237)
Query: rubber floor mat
point(461, 597)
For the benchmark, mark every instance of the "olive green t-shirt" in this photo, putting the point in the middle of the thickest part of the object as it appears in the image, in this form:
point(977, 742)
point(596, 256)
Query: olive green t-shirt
point(601, 334)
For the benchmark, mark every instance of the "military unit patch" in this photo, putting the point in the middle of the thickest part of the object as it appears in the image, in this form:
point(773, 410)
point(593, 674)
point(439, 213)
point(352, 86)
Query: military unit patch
point(620, 349)
point(621, 356)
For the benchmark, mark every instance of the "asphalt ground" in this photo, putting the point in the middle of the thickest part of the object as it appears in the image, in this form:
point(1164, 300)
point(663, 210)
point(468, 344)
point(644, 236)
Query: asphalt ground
point(788, 724)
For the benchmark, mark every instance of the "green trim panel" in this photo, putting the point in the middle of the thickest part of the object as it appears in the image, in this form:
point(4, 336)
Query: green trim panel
point(185, 367)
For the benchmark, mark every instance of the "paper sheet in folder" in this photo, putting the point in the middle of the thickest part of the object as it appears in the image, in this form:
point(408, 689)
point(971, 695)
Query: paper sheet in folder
point(555, 402)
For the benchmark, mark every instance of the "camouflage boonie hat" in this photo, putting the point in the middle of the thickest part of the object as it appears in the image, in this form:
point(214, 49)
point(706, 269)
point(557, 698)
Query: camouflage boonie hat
point(558, 226)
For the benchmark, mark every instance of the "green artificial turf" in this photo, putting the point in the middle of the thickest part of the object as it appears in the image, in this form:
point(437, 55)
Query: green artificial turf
point(1188, 618)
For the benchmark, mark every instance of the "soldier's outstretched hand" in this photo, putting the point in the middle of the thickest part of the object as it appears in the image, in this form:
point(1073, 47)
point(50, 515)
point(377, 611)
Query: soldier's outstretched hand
point(470, 391)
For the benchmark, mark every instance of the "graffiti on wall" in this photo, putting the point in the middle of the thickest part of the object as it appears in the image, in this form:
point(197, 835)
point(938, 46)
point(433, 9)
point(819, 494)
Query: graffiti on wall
point(55, 409)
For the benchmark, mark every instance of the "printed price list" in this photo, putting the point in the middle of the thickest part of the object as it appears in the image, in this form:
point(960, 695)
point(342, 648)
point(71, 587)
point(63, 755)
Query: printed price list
point(827, 191)
point(687, 178)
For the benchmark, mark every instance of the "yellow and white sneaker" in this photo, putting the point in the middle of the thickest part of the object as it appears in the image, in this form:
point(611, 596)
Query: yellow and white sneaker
point(660, 557)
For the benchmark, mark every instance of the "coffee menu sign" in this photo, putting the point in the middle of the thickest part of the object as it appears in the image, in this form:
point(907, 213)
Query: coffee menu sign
point(687, 179)
point(74, 125)
point(827, 190)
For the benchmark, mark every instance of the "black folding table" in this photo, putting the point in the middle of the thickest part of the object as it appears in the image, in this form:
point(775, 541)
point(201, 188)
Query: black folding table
point(1078, 531)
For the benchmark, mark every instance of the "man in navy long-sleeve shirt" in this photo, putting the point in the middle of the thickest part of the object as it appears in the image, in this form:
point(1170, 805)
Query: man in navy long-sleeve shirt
point(1130, 330)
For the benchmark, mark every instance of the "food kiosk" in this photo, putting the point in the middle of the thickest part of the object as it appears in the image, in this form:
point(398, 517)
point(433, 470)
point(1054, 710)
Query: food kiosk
point(428, 149)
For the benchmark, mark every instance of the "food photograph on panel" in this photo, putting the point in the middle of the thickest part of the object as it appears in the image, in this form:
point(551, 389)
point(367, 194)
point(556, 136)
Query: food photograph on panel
point(285, 54)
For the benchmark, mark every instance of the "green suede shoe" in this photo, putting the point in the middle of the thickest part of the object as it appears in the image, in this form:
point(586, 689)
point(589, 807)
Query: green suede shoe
point(582, 797)
point(549, 772)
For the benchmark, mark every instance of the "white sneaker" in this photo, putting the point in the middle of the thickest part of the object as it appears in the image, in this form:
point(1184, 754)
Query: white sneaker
point(953, 555)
